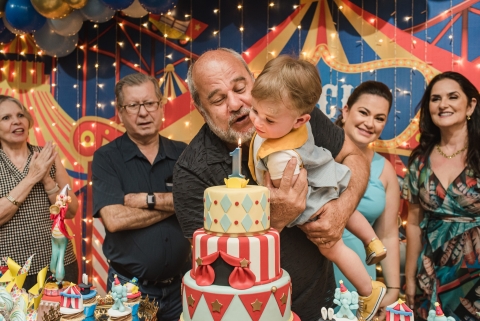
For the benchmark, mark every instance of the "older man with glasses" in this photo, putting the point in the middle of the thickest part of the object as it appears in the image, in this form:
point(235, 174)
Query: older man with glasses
point(132, 193)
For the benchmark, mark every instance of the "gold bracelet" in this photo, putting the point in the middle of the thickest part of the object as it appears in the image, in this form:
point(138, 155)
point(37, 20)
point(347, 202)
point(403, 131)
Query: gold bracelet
point(12, 200)
point(53, 190)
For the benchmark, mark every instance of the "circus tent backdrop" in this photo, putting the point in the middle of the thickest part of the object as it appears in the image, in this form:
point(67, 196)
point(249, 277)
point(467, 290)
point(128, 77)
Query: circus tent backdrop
point(403, 44)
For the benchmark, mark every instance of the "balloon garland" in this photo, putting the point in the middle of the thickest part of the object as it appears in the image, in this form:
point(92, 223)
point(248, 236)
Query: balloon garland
point(55, 24)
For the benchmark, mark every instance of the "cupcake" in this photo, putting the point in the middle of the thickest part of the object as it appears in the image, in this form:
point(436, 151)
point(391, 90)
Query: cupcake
point(89, 297)
point(119, 310)
point(134, 296)
point(71, 304)
point(78, 316)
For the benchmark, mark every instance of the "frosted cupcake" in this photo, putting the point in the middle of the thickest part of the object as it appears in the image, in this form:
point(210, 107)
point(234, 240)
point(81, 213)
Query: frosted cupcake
point(71, 304)
point(134, 296)
point(89, 297)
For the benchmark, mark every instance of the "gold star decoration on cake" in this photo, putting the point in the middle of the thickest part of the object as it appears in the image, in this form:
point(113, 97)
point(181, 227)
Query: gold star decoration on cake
point(257, 305)
point(283, 299)
point(199, 261)
point(190, 301)
point(216, 306)
point(244, 263)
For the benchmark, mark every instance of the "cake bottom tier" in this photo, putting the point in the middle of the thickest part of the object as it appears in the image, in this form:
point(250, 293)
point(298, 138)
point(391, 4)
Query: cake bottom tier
point(267, 302)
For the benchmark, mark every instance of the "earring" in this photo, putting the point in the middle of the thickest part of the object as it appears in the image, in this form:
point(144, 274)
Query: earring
point(468, 117)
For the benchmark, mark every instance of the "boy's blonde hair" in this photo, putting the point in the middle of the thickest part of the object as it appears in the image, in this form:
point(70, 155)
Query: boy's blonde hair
point(292, 81)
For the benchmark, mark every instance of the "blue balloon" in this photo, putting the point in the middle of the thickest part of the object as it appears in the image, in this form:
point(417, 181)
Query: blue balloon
point(54, 44)
point(21, 15)
point(96, 11)
point(158, 6)
point(117, 4)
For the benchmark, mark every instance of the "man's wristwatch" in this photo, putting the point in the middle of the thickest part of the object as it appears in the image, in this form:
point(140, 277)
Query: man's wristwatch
point(151, 201)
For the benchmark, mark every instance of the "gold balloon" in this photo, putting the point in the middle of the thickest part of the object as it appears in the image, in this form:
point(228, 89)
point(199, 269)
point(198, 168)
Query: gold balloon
point(76, 4)
point(52, 9)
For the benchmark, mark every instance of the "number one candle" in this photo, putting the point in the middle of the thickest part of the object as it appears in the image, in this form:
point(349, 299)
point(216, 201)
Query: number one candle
point(237, 161)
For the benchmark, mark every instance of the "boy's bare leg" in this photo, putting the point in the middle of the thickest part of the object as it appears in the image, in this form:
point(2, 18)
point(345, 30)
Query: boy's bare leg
point(358, 225)
point(350, 265)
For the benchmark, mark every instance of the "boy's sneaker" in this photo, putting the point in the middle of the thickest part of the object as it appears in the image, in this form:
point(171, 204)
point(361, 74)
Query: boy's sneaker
point(375, 251)
point(368, 306)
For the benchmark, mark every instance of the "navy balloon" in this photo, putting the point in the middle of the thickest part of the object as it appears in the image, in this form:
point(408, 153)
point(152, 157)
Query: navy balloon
point(21, 15)
point(158, 6)
point(54, 44)
point(96, 11)
point(117, 4)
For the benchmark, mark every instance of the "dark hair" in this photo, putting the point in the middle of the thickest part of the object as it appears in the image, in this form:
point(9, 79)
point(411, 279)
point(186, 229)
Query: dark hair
point(289, 78)
point(430, 133)
point(135, 79)
point(370, 87)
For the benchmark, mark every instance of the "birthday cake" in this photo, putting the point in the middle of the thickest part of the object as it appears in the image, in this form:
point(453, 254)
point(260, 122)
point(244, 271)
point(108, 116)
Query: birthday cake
point(236, 273)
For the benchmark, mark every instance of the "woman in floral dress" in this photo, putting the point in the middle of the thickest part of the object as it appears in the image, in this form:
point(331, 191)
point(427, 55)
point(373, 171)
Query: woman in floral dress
point(442, 187)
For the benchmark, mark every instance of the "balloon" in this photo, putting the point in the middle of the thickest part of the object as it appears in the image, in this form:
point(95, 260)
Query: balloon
point(96, 11)
point(69, 25)
point(76, 4)
point(22, 17)
point(117, 4)
point(135, 10)
point(12, 29)
point(52, 9)
point(53, 44)
point(158, 6)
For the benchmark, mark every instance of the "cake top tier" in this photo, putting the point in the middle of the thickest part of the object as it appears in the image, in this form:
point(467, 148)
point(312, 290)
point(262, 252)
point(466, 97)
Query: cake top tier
point(236, 211)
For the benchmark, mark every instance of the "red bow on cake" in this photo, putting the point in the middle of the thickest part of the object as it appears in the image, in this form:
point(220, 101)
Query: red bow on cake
point(241, 277)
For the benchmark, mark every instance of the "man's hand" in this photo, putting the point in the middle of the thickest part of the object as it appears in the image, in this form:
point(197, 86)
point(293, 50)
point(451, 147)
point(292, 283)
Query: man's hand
point(288, 201)
point(328, 228)
point(135, 200)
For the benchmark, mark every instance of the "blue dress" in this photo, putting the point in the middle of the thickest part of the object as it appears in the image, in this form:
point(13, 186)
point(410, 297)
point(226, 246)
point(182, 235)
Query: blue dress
point(371, 206)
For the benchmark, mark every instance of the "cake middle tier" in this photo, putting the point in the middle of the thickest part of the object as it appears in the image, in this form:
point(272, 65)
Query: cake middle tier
point(261, 251)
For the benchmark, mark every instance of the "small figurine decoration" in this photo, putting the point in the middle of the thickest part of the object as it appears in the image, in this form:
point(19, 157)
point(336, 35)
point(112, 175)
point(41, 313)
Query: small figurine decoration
point(327, 314)
point(60, 235)
point(119, 296)
point(437, 314)
point(85, 286)
point(71, 300)
point(399, 311)
point(347, 301)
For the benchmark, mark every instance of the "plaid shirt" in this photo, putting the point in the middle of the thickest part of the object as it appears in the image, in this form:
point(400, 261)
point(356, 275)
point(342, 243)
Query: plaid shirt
point(29, 230)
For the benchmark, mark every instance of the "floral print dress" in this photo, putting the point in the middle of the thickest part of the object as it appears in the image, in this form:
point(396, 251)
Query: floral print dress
point(448, 266)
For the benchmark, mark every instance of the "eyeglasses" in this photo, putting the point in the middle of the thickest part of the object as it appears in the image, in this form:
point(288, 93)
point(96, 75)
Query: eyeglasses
point(135, 107)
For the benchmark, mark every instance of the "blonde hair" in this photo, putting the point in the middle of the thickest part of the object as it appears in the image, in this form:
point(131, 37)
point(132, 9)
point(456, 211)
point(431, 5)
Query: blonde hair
point(287, 78)
point(27, 114)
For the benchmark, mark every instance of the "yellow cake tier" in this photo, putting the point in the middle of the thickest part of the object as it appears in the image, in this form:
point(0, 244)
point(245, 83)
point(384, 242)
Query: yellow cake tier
point(237, 211)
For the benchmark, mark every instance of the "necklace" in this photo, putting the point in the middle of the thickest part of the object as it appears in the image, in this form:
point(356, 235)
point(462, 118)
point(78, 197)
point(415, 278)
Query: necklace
point(453, 155)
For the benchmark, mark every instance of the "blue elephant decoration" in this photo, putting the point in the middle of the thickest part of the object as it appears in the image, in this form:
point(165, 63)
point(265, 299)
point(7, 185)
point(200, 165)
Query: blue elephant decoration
point(437, 314)
point(346, 300)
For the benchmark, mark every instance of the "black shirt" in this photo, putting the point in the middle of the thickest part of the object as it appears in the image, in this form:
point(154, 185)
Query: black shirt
point(206, 162)
point(156, 252)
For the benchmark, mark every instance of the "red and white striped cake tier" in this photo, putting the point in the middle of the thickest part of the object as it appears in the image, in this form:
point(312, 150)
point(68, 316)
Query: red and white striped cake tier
point(262, 251)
